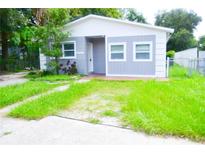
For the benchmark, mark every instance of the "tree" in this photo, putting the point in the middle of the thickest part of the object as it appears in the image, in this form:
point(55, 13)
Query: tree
point(202, 42)
point(181, 40)
point(133, 15)
point(184, 23)
point(76, 13)
point(11, 20)
point(44, 32)
point(50, 35)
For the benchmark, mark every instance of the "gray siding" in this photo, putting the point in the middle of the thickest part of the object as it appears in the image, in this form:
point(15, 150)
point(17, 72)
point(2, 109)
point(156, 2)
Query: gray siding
point(99, 55)
point(81, 54)
point(130, 67)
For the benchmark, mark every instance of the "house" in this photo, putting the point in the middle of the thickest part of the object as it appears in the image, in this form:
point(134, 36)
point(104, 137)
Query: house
point(191, 58)
point(115, 47)
point(190, 54)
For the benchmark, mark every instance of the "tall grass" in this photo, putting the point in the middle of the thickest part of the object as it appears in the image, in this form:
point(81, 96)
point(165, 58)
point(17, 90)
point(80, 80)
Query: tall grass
point(15, 93)
point(53, 103)
point(174, 107)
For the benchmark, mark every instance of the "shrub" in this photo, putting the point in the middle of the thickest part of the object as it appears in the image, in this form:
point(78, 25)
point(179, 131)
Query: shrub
point(72, 69)
point(37, 74)
point(170, 53)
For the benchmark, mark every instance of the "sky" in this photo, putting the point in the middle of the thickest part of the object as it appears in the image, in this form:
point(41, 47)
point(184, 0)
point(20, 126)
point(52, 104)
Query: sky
point(149, 8)
point(150, 11)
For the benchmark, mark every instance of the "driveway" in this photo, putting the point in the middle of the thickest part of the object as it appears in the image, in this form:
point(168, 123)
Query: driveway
point(13, 78)
point(57, 130)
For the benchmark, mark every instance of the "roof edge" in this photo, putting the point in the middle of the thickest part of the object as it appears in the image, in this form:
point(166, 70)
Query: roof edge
point(169, 30)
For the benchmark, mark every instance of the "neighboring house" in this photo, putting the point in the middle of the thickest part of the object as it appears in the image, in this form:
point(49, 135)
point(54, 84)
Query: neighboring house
point(114, 47)
point(189, 54)
point(189, 58)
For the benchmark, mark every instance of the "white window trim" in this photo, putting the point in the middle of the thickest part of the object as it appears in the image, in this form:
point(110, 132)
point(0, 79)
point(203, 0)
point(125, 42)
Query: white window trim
point(68, 57)
point(150, 51)
point(124, 51)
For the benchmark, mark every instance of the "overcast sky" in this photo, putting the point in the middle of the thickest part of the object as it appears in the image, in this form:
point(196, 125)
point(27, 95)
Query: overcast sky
point(150, 11)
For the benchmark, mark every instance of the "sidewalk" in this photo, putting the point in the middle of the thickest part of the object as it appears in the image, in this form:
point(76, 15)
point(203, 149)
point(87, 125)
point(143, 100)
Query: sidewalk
point(56, 130)
point(11, 79)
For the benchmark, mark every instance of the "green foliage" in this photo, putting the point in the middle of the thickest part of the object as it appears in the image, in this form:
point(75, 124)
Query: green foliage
point(133, 15)
point(51, 35)
point(170, 53)
point(57, 16)
point(52, 103)
point(184, 23)
point(15, 93)
point(178, 72)
point(181, 40)
point(202, 42)
point(108, 12)
point(11, 20)
point(94, 121)
point(109, 113)
point(178, 19)
point(38, 74)
point(73, 69)
point(47, 76)
point(52, 66)
point(177, 110)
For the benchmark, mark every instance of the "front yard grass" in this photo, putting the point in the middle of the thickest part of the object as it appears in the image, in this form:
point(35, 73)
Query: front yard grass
point(175, 107)
point(54, 78)
point(14, 93)
point(53, 103)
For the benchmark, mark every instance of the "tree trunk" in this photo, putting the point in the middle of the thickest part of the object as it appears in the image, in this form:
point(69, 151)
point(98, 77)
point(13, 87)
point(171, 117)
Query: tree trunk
point(4, 37)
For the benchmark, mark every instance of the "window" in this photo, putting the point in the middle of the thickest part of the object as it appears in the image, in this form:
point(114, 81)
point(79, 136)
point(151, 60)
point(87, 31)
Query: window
point(69, 49)
point(142, 51)
point(117, 52)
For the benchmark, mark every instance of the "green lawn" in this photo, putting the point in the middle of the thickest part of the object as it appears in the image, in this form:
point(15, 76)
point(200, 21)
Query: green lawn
point(54, 78)
point(14, 93)
point(175, 107)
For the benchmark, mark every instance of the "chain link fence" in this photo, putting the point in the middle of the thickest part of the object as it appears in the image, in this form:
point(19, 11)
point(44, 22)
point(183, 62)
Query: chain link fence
point(185, 66)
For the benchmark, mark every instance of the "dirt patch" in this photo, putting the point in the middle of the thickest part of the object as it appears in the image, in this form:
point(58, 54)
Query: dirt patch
point(11, 79)
point(100, 106)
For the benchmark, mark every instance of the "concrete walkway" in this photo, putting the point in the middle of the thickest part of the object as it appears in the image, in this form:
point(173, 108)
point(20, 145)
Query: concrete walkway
point(56, 130)
point(11, 79)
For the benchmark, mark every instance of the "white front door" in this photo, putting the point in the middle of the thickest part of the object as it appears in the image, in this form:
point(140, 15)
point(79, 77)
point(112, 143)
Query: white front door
point(90, 57)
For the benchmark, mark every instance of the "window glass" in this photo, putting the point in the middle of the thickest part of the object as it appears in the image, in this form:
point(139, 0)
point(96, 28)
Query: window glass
point(117, 48)
point(69, 54)
point(142, 52)
point(69, 46)
point(142, 55)
point(142, 47)
point(117, 52)
point(117, 56)
point(69, 49)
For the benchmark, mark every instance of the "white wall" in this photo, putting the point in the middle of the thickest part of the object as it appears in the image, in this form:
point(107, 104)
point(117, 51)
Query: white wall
point(95, 27)
point(184, 57)
point(161, 42)
point(42, 61)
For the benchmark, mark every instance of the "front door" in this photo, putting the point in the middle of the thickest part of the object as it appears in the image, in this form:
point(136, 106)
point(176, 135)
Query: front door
point(90, 57)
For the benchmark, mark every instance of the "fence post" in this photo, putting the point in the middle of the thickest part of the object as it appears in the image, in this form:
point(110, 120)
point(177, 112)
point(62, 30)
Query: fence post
point(167, 73)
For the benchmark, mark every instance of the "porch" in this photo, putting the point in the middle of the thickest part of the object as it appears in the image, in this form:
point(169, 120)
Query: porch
point(119, 78)
point(96, 57)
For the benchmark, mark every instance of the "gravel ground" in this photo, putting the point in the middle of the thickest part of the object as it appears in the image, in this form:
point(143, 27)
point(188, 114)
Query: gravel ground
point(56, 130)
